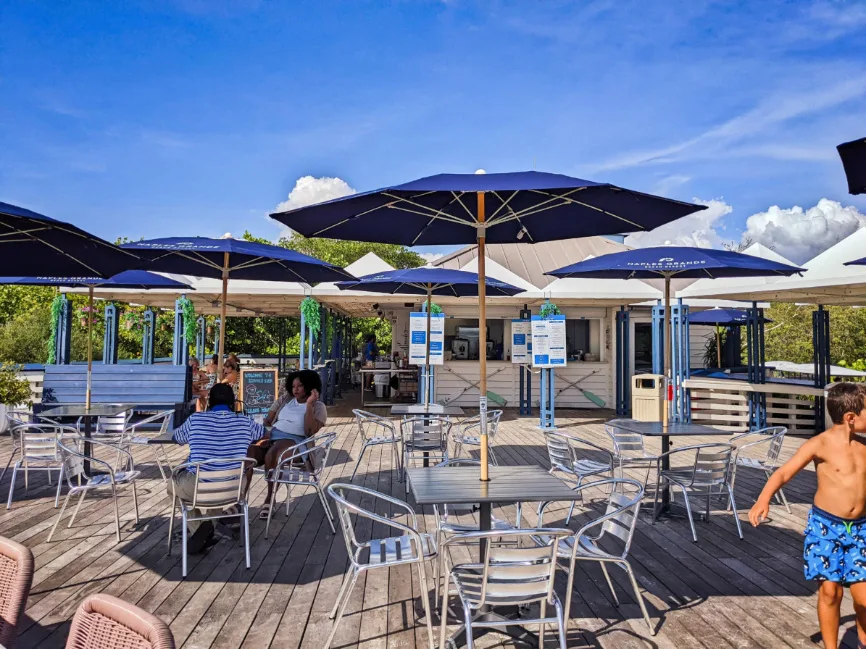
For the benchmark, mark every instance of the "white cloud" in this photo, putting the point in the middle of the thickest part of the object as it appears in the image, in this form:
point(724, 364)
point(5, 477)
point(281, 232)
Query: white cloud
point(309, 190)
point(699, 229)
point(668, 184)
point(430, 257)
point(800, 234)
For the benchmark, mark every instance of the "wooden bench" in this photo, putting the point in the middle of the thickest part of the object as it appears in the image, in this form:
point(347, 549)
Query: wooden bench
point(149, 387)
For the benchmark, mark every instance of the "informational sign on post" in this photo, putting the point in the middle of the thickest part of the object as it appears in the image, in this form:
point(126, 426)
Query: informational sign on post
point(418, 338)
point(548, 341)
point(521, 341)
point(259, 389)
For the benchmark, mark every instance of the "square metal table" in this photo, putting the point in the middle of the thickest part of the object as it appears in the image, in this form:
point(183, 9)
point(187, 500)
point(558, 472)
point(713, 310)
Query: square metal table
point(399, 409)
point(95, 410)
point(507, 484)
point(655, 429)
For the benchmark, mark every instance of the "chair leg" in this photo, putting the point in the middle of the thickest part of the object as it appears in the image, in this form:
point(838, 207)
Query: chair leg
point(639, 597)
point(425, 595)
point(734, 512)
point(12, 484)
point(563, 627)
point(246, 511)
point(568, 593)
point(493, 456)
point(116, 510)
point(656, 500)
point(542, 625)
point(9, 463)
point(183, 538)
point(341, 607)
point(271, 510)
point(59, 516)
point(347, 578)
point(470, 641)
point(443, 611)
point(781, 494)
point(358, 462)
point(159, 463)
point(609, 583)
point(135, 501)
point(689, 512)
point(733, 481)
point(171, 523)
point(77, 507)
point(328, 513)
point(59, 485)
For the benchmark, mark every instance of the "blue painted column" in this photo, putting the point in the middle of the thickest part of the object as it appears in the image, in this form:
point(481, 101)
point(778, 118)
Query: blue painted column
point(547, 396)
point(820, 359)
point(658, 322)
point(63, 337)
point(680, 410)
point(148, 336)
point(623, 363)
point(109, 342)
point(180, 348)
point(303, 340)
point(216, 338)
point(756, 370)
point(200, 338)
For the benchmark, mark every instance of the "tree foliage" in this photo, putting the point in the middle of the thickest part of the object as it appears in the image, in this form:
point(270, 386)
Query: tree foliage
point(789, 336)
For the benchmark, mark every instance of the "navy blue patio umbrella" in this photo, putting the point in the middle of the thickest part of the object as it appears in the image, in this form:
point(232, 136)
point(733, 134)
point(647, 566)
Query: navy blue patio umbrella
point(462, 209)
point(429, 281)
point(668, 262)
point(227, 257)
point(136, 279)
point(34, 244)
point(721, 318)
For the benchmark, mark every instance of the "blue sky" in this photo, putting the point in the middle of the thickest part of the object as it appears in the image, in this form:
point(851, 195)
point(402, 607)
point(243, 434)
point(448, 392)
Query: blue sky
point(174, 117)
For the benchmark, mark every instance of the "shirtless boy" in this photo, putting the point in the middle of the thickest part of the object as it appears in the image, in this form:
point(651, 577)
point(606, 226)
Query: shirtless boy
point(834, 552)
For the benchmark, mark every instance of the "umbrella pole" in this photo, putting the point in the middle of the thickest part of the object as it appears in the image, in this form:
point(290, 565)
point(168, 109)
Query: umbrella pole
point(667, 368)
point(427, 360)
point(482, 338)
point(718, 346)
point(222, 341)
point(89, 346)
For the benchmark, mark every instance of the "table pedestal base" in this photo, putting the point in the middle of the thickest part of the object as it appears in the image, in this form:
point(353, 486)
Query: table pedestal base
point(513, 630)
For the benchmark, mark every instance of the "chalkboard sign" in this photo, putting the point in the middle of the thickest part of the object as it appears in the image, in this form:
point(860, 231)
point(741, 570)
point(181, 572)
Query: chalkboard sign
point(259, 389)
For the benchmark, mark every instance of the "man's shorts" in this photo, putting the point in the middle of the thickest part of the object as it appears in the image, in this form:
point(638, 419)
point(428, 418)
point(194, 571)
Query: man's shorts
point(834, 548)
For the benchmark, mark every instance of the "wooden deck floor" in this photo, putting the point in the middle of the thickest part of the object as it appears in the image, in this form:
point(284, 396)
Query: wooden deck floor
point(718, 593)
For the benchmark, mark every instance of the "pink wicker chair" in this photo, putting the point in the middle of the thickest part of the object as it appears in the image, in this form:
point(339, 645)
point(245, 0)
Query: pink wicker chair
point(103, 621)
point(16, 575)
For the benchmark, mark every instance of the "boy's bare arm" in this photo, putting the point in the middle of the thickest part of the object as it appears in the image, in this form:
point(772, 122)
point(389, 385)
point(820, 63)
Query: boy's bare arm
point(807, 453)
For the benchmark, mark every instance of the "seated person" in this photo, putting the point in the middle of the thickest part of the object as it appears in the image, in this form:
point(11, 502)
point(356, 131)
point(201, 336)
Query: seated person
point(296, 416)
point(231, 373)
point(216, 434)
point(200, 385)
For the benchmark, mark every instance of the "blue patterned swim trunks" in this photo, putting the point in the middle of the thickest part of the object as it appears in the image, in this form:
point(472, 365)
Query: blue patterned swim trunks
point(834, 548)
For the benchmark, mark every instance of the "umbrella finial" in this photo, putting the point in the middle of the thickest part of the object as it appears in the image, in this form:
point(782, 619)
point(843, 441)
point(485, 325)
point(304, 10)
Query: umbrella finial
point(227, 235)
point(479, 172)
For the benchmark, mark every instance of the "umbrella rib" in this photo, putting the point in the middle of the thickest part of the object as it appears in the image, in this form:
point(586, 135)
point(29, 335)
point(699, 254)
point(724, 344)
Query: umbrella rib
point(538, 207)
point(502, 204)
point(598, 209)
point(459, 199)
point(429, 211)
point(66, 254)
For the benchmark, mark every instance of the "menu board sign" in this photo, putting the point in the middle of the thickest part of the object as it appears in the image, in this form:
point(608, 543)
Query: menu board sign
point(521, 341)
point(258, 390)
point(418, 338)
point(548, 341)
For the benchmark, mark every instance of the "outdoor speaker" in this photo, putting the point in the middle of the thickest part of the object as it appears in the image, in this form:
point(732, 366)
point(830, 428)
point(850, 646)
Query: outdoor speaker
point(853, 156)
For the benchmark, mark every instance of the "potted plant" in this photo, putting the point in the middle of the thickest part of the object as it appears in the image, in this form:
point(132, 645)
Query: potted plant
point(15, 391)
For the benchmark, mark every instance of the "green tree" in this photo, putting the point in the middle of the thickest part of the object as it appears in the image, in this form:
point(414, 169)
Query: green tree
point(342, 253)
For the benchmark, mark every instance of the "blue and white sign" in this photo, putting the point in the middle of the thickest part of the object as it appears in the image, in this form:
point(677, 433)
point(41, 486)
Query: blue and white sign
point(548, 341)
point(521, 341)
point(418, 338)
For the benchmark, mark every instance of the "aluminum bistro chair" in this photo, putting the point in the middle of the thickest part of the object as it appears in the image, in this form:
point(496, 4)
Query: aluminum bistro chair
point(410, 547)
point(604, 539)
point(72, 452)
point(134, 436)
point(516, 571)
point(294, 470)
point(219, 485)
point(772, 438)
point(375, 431)
point(15, 418)
point(468, 433)
point(629, 450)
point(103, 621)
point(708, 476)
point(424, 438)
point(37, 444)
point(576, 459)
point(16, 577)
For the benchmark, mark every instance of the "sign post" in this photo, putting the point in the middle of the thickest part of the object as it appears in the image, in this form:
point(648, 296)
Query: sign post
point(548, 352)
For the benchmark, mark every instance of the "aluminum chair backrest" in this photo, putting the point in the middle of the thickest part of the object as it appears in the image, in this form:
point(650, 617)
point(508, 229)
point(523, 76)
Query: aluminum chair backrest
point(219, 483)
point(621, 516)
point(515, 569)
point(776, 435)
point(17, 418)
point(626, 443)
point(315, 449)
point(471, 426)
point(559, 452)
point(425, 433)
point(457, 509)
point(72, 448)
point(712, 463)
point(340, 494)
point(372, 425)
point(113, 425)
point(39, 442)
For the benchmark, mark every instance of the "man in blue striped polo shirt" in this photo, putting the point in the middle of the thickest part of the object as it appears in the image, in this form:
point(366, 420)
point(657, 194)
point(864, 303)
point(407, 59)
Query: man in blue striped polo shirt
point(219, 433)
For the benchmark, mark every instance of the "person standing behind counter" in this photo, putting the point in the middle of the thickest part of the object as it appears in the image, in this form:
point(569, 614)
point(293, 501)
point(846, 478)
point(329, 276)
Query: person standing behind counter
point(294, 417)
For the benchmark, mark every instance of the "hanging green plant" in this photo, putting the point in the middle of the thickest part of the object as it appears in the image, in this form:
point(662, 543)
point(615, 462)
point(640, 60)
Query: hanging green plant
point(131, 320)
point(190, 326)
point(434, 308)
point(549, 309)
point(310, 311)
point(56, 307)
